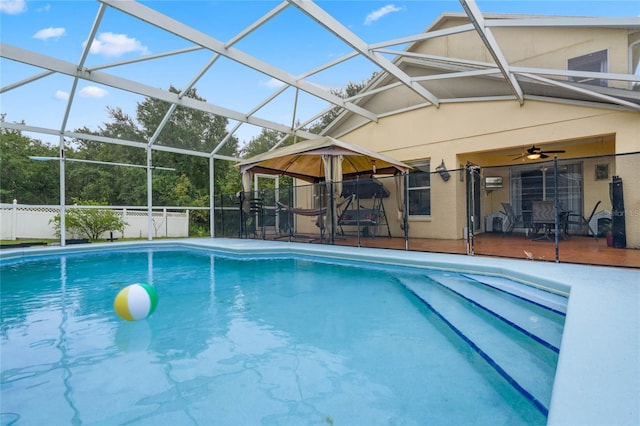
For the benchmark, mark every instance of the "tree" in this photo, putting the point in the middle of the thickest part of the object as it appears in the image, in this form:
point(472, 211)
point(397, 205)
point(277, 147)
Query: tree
point(266, 140)
point(193, 130)
point(23, 179)
point(90, 223)
point(187, 129)
point(116, 185)
point(33, 182)
point(352, 89)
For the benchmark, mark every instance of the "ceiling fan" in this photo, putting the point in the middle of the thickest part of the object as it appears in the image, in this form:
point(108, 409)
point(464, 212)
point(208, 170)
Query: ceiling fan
point(535, 153)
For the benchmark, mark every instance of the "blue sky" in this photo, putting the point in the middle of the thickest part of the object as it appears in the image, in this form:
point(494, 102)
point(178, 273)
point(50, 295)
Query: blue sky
point(290, 41)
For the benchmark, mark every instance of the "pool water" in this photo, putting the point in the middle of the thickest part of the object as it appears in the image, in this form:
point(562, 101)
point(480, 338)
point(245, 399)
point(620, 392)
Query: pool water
point(239, 341)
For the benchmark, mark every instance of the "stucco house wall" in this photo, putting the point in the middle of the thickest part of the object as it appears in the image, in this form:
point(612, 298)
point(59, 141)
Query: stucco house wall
point(461, 132)
point(484, 132)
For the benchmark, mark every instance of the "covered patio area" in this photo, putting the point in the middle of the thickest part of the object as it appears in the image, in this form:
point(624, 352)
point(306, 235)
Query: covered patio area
point(576, 249)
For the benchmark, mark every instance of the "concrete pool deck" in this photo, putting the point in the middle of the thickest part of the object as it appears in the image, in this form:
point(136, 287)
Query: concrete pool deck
point(598, 374)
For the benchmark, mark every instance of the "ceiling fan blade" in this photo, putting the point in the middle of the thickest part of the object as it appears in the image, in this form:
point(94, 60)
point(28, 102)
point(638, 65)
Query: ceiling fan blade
point(534, 153)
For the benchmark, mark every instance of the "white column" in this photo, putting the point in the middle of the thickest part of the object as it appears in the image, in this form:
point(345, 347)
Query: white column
point(186, 225)
point(166, 225)
point(14, 220)
point(63, 222)
point(212, 194)
point(149, 196)
point(124, 219)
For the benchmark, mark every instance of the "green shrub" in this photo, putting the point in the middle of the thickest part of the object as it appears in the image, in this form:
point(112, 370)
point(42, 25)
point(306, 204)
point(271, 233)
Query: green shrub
point(89, 223)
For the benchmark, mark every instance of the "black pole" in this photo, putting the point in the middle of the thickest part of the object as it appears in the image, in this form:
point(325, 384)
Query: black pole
point(221, 216)
point(470, 234)
point(467, 197)
point(289, 215)
point(241, 204)
point(556, 207)
point(472, 204)
point(358, 210)
point(331, 201)
point(405, 216)
point(618, 226)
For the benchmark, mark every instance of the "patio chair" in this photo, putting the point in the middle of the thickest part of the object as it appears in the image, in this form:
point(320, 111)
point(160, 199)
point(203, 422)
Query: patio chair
point(512, 220)
point(543, 218)
point(256, 217)
point(367, 218)
point(582, 222)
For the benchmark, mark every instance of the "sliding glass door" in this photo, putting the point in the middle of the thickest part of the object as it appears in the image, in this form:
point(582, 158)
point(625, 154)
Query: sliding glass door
point(535, 182)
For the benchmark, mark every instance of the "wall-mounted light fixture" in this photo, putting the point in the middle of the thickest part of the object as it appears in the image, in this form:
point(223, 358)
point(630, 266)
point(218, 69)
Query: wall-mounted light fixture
point(442, 170)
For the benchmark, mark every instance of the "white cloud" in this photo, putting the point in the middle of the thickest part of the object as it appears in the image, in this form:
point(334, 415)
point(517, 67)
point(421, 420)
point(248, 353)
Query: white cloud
point(13, 7)
point(377, 14)
point(50, 32)
point(272, 84)
point(61, 95)
point(92, 92)
point(110, 44)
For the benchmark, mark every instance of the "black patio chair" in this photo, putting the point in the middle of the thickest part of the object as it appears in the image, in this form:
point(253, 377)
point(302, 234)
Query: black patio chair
point(580, 220)
point(512, 219)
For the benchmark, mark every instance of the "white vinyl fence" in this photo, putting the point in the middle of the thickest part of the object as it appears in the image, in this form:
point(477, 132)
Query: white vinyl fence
point(20, 221)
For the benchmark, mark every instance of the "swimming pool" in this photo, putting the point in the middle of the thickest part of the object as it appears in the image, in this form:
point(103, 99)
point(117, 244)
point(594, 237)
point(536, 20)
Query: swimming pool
point(266, 340)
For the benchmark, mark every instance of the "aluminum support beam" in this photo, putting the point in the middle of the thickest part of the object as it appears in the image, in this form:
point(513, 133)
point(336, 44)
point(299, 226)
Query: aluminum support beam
point(591, 93)
point(83, 58)
point(170, 25)
point(423, 36)
point(145, 58)
point(579, 74)
point(492, 45)
point(212, 195)
point(63, 201)
point(90, 137)
point(46, 62)
point(149, 195)
point(582, 22)
point(209, 64)
point(340, 31)
point(17, 84)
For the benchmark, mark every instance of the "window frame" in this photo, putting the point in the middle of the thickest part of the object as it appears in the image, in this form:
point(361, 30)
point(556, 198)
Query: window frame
point(583, 62)
point(422, 166)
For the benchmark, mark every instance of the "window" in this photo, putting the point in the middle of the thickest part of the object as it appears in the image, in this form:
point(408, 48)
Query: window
point(593, 62)
point(420, 189)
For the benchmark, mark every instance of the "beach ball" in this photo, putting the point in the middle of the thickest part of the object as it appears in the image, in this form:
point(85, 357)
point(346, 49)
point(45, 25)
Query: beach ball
point(136, 302)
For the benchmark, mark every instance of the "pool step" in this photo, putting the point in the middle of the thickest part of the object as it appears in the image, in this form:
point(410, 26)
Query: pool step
point(528, 309)
point(552, 301)
point(525, 362)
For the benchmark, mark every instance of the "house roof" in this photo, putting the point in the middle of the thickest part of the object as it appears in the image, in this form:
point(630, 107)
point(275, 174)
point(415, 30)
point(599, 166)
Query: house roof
point(425, 80)
point(454, 78)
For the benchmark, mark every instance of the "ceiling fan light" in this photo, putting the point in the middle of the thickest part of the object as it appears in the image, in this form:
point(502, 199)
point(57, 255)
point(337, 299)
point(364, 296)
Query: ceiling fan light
point(534, 156)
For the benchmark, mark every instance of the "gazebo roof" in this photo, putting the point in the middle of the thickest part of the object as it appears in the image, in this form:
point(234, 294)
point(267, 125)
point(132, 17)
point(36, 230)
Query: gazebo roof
point(303, 160)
